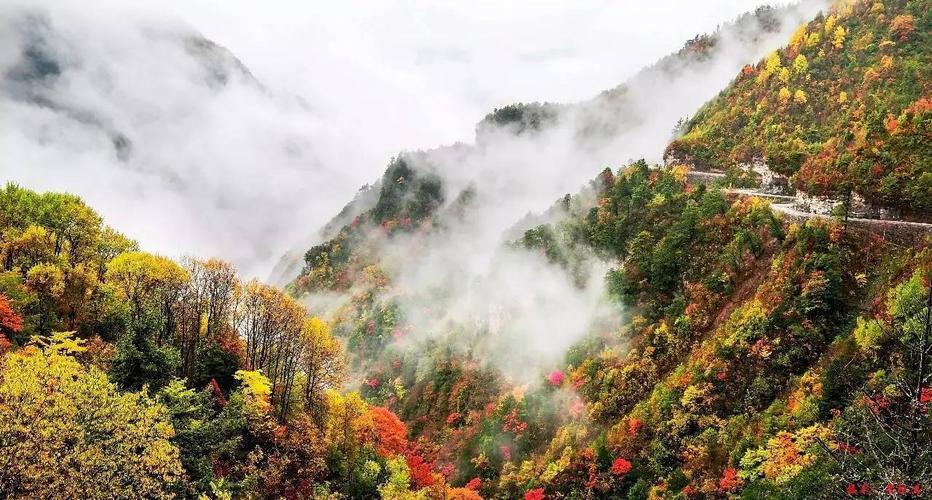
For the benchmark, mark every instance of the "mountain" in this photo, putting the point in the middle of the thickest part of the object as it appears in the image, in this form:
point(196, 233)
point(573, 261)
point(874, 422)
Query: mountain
point(674, 331)
point(527, 154)
point(843, 107)
point(717, 367)
point(79, 93)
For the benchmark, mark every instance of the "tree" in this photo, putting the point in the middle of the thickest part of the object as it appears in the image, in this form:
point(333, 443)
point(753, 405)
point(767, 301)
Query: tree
point(800, 65)
point(391, 434)
point(47, 281)
point(902, 26)
point(206, 307)
point(271, 324)
point(205, 432)
point(65, 431)
point(886, 437)
point(152, 285)
point(322, 363)
point(10, 320)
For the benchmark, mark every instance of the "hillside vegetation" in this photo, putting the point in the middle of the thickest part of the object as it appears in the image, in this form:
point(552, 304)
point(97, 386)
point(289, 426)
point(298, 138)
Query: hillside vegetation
point(845, 106)
point(734, 353)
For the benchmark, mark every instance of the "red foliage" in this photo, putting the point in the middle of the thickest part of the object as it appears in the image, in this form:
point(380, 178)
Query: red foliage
point(231, 343)
point(621, 466)
point(474, 484)
point(535, 494)
point(217, 393)
point(925, 395)
point(513, 423)
point(391, 433)
point(689, 491)
point(849, 448)
point(729, 480)
point(851, 489)
point(556, 378)
point(506, 452)
point(9, 319)
point(420, 470)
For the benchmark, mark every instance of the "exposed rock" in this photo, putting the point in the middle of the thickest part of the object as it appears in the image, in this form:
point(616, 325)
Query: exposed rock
point(770, 181)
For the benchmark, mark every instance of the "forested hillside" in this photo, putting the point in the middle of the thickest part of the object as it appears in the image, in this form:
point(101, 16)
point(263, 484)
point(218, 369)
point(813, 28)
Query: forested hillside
point(844, 107)
point(128, 375)
point(757, 356)
point(649, 336)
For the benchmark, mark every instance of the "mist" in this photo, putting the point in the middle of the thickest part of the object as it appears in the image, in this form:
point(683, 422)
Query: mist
point(243, 149)
point(509, 307)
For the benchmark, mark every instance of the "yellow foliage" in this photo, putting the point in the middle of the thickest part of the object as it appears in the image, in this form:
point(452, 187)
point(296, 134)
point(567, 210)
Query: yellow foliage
point(813, 39)
point(838, 38)
point(784, 95)
point(786, 454)
point(799, 97)
point(679, 173)
point(784, 75)
point(800, 65)
point(65, 431)
point(348, 421)
point(868, 335)
point(842, 97)
point(830, 23)
point(886, 62)
point(798, 37)
point(256, 386)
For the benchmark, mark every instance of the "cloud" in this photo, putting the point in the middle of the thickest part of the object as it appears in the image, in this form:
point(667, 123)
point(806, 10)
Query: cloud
point(510, 307)
point(181, 147)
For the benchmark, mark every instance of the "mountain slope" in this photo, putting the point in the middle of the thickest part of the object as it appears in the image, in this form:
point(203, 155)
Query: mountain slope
point(845, 106)
point(722, 376)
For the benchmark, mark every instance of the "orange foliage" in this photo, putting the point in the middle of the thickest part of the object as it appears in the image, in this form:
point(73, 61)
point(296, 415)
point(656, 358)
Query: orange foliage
point(391, 433)
point(9, 319)
point(420, 470)
point(902, 26)
point(729, 481)
point(463, 494)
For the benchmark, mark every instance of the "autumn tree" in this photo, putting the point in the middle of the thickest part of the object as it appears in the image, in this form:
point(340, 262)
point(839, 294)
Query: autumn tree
point(65, 431)
point(271, 324)
point(10, 322)
point(152, 285)
point(887, 436)
point(206, 307)
point(321, 362)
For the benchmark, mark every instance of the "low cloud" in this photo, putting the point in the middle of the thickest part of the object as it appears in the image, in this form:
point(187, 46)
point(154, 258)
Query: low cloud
point(193, 149)
point(511, 307)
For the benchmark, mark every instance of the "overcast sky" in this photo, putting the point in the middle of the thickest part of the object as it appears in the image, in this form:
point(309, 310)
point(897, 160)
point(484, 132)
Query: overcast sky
point(241, 176)
point(422, 73)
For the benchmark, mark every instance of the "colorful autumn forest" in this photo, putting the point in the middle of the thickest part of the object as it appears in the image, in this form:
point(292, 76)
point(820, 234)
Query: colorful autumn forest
point(759, 355)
